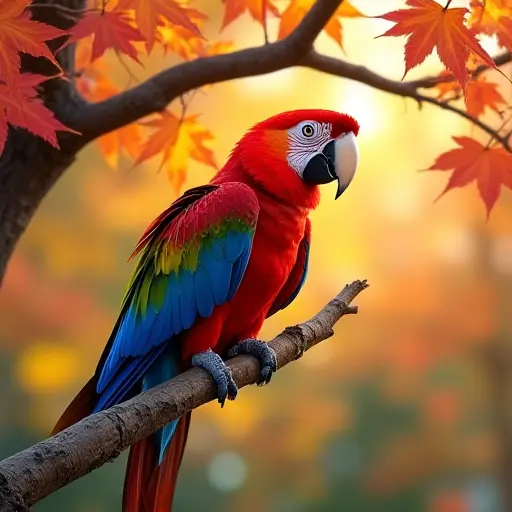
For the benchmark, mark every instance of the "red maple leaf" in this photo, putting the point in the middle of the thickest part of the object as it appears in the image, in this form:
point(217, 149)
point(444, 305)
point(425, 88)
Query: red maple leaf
point(18, 33)
point(30, 113)
point(429, 25)
point(471, 161)
point(178, 140)
point(149, 15)
point(480, 94)
point(492, 17)
point(235, 8)
point(110, 30)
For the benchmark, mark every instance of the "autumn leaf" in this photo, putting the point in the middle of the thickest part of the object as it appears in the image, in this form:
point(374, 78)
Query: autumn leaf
point(30, 113)
point(18, 33)
point(492, 17)
point(95, 85)
point(182, 41)
point(186, 44)
point(444, 88)
point(471, 161)
point(218, 48)
point(110, 30)
point(427, 25)
point(178, 140)
point(151, 14)
point(233, 9)
point(297, 9)
point(481, 94)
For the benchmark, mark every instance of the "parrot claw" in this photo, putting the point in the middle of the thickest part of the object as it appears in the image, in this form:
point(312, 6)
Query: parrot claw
point(262, 352)
point(221, 374)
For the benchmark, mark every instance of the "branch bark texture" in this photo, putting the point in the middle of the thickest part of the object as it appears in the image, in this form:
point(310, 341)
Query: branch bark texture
point(32, 474)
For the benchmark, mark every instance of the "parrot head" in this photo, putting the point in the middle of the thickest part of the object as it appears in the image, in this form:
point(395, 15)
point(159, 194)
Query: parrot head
point(290, 154)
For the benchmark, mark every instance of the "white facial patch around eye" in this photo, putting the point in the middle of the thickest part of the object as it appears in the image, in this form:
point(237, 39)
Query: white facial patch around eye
point(306, 140)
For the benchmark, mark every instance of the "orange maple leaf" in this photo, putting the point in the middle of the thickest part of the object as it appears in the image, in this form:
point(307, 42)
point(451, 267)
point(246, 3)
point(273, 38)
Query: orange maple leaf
point(110, 30)
point(178, 140)
point(30, 113)
point(445, 88)
point(489, 167)
point(481, 94)
point(18, 33)
point(492, 17)
point(235, 8)
point(95, 85)
point(151, 14)
point(217, 48)
point(505, 34)
point(297, 9)
point(181, 40)
point(427, 25)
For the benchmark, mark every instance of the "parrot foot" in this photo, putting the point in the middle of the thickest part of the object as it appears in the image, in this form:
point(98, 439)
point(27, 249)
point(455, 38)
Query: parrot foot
point(262, 352)
point(216, 367)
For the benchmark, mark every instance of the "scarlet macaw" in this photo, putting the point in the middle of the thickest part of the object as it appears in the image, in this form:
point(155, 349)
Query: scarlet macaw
point(215, 264)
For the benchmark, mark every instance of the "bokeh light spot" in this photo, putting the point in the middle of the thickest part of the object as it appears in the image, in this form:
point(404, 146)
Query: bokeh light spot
point(47, 367)
point(227, 471)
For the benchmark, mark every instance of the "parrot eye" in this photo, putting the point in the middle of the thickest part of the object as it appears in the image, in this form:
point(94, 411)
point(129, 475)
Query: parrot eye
point(308, 130)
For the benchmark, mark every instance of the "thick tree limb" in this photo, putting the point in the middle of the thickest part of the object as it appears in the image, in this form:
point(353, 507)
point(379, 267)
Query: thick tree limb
point(29, 476)
point(29, 167)
point(156, 93)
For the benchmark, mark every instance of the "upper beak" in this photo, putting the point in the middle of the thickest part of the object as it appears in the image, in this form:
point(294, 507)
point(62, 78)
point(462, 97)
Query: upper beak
point(338, 161)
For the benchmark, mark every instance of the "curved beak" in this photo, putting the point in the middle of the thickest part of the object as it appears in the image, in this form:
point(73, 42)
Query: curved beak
point(338, 161)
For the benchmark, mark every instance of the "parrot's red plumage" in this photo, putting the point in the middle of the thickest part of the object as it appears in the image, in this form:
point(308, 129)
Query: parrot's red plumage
point(211, 268)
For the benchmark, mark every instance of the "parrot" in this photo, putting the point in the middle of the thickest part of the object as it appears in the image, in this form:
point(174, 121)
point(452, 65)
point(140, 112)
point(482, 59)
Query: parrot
point(223, 258)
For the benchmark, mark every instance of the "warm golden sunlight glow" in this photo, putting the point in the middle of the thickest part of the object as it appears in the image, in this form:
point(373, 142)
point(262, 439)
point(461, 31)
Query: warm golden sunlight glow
point(406, 408)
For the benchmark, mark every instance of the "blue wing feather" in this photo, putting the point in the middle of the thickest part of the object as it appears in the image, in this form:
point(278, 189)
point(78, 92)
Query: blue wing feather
point(141, 335)
point(187, 299)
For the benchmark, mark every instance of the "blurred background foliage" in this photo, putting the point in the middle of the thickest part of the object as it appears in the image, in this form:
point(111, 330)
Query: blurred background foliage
point(406, 408)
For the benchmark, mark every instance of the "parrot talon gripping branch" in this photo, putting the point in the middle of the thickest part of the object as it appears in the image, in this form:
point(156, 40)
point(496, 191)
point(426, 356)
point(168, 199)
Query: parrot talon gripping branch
point(262, 352)
point(221, 374)
point(211, 268)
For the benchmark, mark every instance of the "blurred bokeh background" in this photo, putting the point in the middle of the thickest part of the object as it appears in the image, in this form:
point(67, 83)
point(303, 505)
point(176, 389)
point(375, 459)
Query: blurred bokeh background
point(407, 408)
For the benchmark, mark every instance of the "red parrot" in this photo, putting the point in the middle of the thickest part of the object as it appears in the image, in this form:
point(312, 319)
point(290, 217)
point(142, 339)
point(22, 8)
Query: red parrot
point(212, 267)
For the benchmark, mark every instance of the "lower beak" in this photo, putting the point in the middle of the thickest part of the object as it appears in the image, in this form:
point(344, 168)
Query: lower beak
point(338, 161)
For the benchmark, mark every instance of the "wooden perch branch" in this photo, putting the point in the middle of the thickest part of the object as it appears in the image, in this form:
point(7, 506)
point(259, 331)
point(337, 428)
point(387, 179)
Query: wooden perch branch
point(36, 472)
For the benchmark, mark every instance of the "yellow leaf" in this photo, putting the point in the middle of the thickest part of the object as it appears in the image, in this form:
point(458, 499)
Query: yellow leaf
point(297, 9)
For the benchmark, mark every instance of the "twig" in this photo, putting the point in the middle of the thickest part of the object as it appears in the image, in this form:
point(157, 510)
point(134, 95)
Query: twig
point(129, 72)
point(264, 16)
point(501, 127)
point(49, 465)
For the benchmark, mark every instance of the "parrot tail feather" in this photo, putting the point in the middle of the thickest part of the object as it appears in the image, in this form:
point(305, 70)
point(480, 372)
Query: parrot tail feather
point(81, 406)
point(149, 486)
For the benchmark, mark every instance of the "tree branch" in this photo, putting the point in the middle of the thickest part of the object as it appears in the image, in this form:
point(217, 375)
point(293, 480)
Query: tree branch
point(32, 474)
point(153, 95)
point(341, 68)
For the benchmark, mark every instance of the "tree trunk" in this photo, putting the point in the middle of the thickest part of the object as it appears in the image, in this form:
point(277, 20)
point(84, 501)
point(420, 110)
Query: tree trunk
point(29, 166)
